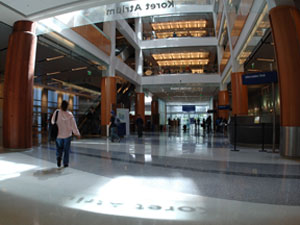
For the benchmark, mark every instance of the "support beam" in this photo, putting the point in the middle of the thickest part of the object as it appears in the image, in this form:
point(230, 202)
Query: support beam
point(128, 33)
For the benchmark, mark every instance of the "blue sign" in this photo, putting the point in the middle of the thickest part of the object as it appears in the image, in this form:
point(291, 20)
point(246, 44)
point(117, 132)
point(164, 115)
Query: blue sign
point(188, 108)
point(221, 107)
point(211, 111)
point(260, 78)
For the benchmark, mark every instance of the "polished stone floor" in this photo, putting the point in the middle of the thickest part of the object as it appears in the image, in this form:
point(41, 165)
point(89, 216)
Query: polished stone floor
point(162, 178)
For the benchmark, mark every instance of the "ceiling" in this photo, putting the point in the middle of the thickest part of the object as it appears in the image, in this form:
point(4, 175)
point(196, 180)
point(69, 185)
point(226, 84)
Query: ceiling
point(264, 51)
point(11, 10)
point(90, 77)
point(72, 59)
point(29, 7)
point(72, 68)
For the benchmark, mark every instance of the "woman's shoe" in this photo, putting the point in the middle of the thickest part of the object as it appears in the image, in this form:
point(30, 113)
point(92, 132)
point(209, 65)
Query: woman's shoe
point(58, 162)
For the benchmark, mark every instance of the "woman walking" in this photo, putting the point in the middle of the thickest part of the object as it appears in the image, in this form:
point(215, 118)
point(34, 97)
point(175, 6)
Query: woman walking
point(66, 126)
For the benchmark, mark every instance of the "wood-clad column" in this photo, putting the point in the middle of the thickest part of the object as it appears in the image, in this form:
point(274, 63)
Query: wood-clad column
point(239, 95)
point(223, 100)
point(44, 107)
point(285, 22)
point(18, 86)
point(140, 105)
point(108, 101)
point(155, 114)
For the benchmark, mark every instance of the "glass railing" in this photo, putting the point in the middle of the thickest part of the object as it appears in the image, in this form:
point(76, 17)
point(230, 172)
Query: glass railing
point(261, 27)
point(119, 11)
point(156, 70)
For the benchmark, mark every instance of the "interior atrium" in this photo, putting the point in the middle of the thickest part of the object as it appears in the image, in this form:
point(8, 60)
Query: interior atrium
point(214, 82)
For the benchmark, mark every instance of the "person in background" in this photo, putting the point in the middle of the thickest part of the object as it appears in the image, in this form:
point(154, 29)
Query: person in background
point(49, 127)
point(208, 123)
point(218, 124)
point(139, 123)
point(113, 128)
point(203, 125)
point(66, 126)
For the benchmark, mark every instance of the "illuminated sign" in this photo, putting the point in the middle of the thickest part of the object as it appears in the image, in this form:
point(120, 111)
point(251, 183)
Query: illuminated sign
point(260, 78)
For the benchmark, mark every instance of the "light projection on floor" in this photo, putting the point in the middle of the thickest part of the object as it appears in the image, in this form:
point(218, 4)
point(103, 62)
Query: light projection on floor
point(10, 170)
point(127, 196)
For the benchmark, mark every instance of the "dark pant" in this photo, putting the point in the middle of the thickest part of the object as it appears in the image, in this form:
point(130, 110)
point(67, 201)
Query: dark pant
point(140, 131)
point(63, 147)
point(114, 134)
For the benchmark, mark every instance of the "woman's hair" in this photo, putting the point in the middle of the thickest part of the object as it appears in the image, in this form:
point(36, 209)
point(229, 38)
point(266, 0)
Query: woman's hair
point(64, 105)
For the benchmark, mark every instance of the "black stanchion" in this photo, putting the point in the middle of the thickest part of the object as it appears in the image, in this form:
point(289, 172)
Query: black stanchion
point(235, 134)
point(263, 138)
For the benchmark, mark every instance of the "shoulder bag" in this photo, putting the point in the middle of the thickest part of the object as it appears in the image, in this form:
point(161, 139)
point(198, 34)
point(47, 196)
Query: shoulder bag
point(54, 129)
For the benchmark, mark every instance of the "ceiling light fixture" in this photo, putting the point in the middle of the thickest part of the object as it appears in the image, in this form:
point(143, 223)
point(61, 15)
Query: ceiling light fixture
point(55, 58)
point(126, 89)
point(197, 70)
point(76, 87)
point(254, 70)
point(79, 68)
point(53, 73)
point(179, 25)
point(265, 60)
point(181, 55)
point(183, 62)
point(198, 33)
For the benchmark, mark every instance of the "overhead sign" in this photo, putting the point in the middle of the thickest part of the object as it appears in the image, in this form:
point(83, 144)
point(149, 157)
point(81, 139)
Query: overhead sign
point(222, 107)
point(133, 7)
point(211, 111)
point(260, 78)
point(189, 108)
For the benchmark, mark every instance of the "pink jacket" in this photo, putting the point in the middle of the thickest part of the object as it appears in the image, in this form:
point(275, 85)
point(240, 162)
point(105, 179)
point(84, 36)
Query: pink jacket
point(66, 124)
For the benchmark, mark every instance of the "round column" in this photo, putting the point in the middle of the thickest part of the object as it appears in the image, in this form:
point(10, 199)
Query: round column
point(285, 22)
point(140, 105)
point(239, 95)
point(18, 86)
point(108, 101)
point(155, 114)
point(223, 101)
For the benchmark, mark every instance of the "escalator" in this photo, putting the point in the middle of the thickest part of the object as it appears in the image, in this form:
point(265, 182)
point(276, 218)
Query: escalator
point(89, 123)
